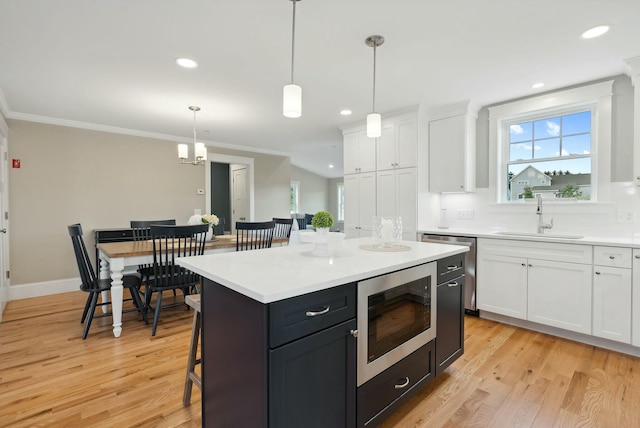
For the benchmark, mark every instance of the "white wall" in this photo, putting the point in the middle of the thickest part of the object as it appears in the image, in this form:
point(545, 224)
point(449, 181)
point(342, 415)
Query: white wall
point(313, 193)
point(592, 219)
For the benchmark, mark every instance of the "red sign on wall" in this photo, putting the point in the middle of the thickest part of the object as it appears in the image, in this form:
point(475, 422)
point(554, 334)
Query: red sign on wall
point(15, 163)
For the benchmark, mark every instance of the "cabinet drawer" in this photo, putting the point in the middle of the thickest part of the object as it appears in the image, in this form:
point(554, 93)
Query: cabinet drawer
point(382, 395)
point(300, 316)
point(450, 267)
point(612, 256)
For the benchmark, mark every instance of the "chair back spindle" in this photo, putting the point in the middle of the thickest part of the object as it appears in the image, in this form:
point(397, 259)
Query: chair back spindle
point(254, 235)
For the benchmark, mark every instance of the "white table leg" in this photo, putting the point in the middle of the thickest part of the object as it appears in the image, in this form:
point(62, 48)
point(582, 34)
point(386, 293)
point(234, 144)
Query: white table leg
point(117, 266)
point(104, 274)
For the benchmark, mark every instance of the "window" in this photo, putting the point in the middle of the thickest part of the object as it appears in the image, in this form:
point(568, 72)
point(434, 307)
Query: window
point(549, 156)
point(340, 201)
point(555, 145)
point(294, 199)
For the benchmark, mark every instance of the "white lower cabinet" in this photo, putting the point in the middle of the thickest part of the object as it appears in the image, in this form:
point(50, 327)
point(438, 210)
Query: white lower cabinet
point(612, 293)
point(502, 284)
point(515, 279)
point(560, 294)
point(635, 300)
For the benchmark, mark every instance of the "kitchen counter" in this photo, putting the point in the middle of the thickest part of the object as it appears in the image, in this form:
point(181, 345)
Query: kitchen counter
point(279, 273)
point(619, 241)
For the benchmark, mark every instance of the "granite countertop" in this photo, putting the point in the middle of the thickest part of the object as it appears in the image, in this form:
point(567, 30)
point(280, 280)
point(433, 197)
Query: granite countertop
point(279, 273)
point(631, 241)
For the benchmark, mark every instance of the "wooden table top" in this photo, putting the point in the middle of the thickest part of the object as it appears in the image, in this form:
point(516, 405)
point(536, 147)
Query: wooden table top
point(142, 248)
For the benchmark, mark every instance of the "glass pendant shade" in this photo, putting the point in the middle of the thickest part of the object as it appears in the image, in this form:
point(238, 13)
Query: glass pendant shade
point(183, 151)
point(201, 152)
point(374, 125)
point(292, 101)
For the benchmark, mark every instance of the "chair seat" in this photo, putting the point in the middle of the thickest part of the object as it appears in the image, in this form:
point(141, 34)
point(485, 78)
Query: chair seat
point(128, 281)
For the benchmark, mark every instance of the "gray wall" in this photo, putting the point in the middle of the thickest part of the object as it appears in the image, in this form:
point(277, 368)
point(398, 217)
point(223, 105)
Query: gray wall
point(314, 191)
point(621, 141)
point(104, 180)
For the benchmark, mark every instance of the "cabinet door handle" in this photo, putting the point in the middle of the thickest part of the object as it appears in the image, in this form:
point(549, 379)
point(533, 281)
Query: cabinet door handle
point(452, 284)
point(597, 273)
point(354, 333)
point(637, 256)
point(523, 264)
point(612, 257)
point(530, 265)
point(452, 267)
point(402, 385)
point(316, 313)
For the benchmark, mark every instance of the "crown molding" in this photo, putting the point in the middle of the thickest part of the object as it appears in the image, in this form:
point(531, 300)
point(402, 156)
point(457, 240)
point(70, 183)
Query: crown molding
point(633, 69)
point(136, 133)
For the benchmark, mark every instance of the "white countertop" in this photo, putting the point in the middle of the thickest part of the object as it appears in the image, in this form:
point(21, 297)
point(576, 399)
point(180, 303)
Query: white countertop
point(618, 241)
point(279, 273)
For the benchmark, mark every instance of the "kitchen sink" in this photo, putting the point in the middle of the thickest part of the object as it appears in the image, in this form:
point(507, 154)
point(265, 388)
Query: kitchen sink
point(540, 235)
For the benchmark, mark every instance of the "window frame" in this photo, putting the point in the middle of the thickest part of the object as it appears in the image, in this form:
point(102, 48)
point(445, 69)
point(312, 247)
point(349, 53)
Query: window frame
point(536, 116)
point(295, 186)
point(597, 96)
point(340, 192)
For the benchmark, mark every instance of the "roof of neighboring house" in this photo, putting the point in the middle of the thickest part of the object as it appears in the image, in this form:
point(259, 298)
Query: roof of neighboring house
point(528, 168)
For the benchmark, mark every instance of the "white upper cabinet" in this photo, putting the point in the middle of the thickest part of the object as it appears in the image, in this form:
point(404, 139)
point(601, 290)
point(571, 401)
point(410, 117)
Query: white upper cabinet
point(396, 197)
point(359, 153)
point(398, 144)
point(452, 135)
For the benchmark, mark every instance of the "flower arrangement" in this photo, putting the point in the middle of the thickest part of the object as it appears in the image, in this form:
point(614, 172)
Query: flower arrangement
point(322, 219)
point(212, 219)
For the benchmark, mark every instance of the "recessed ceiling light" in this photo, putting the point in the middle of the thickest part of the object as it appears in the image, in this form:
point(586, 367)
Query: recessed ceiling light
point(345, 112)
point(595, 31)
point(330, 166)
point(186, 62)
point(537, 85)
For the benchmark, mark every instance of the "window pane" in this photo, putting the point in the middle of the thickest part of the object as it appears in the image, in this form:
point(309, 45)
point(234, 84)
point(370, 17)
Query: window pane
point(546, 128)
point(520, 132)
point(576, 145)
point(576, 123)
point(547, 148)
point(520, 151)
point(569, 178)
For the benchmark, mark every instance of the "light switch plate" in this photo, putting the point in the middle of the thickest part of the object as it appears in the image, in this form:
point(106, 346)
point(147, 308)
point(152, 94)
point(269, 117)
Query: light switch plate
point(466, 214)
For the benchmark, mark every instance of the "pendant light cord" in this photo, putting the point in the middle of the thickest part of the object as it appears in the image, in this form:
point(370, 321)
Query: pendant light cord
point(293, 38)
point(375, 44)
point(194, 128)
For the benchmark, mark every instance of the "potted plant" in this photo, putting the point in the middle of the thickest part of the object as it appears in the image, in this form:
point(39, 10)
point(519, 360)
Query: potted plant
point(322, 221)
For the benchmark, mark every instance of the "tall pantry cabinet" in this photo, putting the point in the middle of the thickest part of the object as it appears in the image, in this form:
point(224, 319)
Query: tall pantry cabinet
point(389, 188)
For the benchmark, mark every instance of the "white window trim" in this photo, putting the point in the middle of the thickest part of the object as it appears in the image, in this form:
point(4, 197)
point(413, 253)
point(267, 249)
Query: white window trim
point(598, 95)
point(296, 185)
point(340, 211)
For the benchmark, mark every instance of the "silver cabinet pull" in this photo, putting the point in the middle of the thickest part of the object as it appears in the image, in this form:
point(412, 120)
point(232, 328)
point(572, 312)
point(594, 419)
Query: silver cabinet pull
point(354, 333)
point(597, 273)
point(637, 256)
point(452, 284)
point(612, 257)
point(402, 385)
point(316, 313)
point(452, 267)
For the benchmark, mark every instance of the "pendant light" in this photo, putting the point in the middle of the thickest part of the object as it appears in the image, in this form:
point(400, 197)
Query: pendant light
point(292, 93)
point(200, 150)
point(374, 120)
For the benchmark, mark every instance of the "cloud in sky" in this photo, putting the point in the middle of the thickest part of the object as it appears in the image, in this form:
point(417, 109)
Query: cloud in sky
point(553, 128)
point(516, 129)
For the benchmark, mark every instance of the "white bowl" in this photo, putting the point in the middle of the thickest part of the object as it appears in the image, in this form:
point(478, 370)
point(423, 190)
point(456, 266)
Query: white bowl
point(315, 237)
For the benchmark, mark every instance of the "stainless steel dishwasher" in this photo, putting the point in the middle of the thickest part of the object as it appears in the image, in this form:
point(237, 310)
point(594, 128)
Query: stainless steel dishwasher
point(469, 262)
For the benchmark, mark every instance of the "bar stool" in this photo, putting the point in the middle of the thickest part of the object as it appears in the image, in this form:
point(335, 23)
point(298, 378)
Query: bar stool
point(193, 300)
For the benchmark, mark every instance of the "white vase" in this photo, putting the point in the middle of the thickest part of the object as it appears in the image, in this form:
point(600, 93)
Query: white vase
point(209, 233)
point(321, 247)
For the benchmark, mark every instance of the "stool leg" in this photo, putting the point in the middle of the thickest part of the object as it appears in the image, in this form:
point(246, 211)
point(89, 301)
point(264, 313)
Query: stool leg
point(191, 364)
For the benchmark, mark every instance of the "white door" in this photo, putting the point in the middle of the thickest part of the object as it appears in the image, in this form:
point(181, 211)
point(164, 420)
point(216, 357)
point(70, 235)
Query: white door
point(240, 197)
point(4, 222)
point(612, 303)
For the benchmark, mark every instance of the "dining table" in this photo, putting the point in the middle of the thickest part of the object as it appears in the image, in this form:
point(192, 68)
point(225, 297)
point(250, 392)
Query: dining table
point(118, 257)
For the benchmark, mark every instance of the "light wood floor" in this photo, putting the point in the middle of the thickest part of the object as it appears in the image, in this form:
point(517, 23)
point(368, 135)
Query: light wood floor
point(508, 377)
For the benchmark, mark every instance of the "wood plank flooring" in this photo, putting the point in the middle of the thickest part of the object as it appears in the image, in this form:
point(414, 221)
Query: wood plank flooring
point(508, 377)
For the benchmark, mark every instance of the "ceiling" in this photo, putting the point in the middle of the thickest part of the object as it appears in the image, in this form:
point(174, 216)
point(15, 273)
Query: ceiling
point(111, 63)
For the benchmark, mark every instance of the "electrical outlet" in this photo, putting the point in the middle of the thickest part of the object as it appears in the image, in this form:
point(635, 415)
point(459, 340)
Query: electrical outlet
point(626, 216)
point(466, 214)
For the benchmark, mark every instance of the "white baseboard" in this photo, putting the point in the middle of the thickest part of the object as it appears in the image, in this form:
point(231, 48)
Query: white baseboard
point(37, 289)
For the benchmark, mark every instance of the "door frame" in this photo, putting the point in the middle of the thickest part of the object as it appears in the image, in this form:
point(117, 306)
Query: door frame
point(4, 207)
point(229, 159)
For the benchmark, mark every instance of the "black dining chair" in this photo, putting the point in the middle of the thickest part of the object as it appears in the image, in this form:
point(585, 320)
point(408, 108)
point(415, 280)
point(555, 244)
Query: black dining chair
point(141, 233)
point(282, 227)
point(169, 244)
point(302, 223)
point(254, 235)
point(219, 229)
point(308, 218)
point(93, 285)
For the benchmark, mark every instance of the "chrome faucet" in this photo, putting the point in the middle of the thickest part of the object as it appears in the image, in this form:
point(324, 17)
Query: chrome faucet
point(541, 224)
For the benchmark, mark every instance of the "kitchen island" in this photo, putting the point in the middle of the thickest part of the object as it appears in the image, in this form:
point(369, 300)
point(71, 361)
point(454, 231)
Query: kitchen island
point(279, 328)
